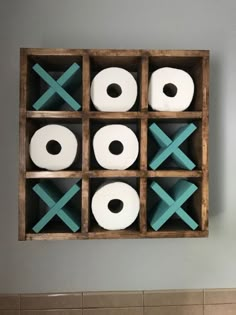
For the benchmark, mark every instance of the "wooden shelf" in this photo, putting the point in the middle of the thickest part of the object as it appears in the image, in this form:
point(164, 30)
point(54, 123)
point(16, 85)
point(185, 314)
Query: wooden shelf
point(141, 63)
point(115, 235)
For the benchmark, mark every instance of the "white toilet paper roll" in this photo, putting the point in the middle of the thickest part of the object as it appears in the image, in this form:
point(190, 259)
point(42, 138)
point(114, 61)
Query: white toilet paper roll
point(114, 90)
point(125, 139)
point(53, 135)
point(180, 85)
point(115, 206)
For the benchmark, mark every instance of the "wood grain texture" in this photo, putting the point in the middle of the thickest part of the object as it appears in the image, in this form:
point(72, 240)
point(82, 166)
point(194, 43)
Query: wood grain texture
point(144, 84)
point(85, 210)
point(54, 174)
point(174, 173)
point(22, 145)
point(71, 115)
point(115, 52)
point(205, 140)
point(86, 83)
point(143, 205)
point(143, 143)
point(54, 114)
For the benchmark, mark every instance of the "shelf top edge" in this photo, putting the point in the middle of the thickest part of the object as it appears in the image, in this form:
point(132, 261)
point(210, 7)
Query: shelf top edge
point(115, 52)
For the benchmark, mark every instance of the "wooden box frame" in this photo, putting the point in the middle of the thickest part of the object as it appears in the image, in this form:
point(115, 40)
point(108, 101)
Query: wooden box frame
point(196, 62)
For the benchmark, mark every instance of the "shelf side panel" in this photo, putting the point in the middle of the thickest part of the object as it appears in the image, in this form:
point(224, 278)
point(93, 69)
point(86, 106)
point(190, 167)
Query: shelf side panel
point(205, 138)
point(22, 146)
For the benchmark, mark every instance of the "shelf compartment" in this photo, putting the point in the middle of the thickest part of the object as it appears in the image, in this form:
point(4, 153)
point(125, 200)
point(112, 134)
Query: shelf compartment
point(93, 226)
point(63, 73)
point(130, 63)
point(56, 206)
point(173, 141)
point(34, 124)
point(97, 124)
point(172, 204)
point(175, 204)
point(192, 64)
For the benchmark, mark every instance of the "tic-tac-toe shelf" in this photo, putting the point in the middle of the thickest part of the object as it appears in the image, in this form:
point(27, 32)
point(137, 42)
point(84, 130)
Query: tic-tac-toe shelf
point(169, 173)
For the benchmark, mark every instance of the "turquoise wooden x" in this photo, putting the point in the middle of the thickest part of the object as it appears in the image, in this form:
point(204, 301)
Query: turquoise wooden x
point(57, 206)
point(168, 205)
point(171, 147)
point(57, 87)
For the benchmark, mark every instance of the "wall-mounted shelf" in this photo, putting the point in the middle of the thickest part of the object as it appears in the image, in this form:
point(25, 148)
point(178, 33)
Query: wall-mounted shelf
point(84, 120)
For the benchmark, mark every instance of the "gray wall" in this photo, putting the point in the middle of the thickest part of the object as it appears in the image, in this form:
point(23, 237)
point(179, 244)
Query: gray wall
point(122, 264)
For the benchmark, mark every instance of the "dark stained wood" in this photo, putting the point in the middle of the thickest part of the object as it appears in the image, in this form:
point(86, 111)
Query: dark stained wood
point(54, 236)
point(143, 144)
point(66, 115)
point(205, 136)
point(85, 145)
point(115, 115)
point(174, 173)
point(115, 173)
point(175, 115)
point(115, 52)
point(54, 114)
point(144, 84)
point(116, 234)
point(86, 84)
point(178, 53)
point(85, 205)
point(143, 205)
point(54, 174)
point(176, 234)
point(22, 145)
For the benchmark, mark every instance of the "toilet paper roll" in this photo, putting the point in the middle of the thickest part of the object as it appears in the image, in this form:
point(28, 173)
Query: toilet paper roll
point(115, 206)
point(170, 89)
point(42, 147)
point(114, 90)
point(123, 139)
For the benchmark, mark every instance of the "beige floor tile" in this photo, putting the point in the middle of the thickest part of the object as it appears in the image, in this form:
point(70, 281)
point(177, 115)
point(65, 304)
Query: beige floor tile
point(112, 299)
point(220, 296)
point(220, 309)
point(51, 301)
point(9, 302)
point(173, 297)
point(174, 310)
